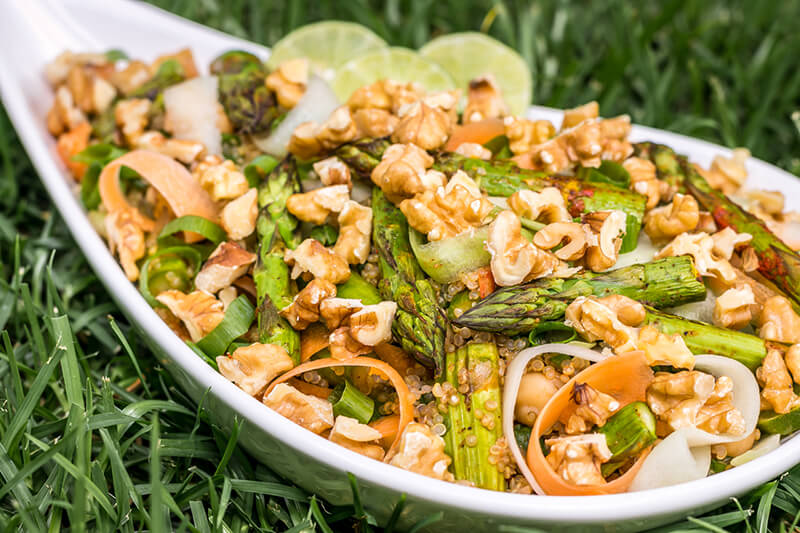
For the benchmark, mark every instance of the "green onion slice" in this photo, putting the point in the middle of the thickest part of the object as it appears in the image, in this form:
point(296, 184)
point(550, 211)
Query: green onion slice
point(258, 169)
point(347, 400)
point(238, 317)
point(188, 253)
point(211, 231)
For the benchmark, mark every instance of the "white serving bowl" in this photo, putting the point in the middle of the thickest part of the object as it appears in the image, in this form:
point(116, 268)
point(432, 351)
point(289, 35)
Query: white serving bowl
point(33, 32)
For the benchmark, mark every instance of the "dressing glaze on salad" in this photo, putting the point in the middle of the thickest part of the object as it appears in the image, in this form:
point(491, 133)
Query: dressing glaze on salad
point(432, 282)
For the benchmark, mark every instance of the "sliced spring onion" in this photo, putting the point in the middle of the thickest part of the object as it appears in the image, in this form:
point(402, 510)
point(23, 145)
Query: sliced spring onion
point(446, 259)
point(548, 332)
point(763, 447)
point(200, 353)
point(499, 147)
point(188, 253)
point(101, 153)
point(238, 318)
point(608, 172)
point(358, 288)
point(325, 234)
point(348, 401)
point(258, 169)
point(195, 224)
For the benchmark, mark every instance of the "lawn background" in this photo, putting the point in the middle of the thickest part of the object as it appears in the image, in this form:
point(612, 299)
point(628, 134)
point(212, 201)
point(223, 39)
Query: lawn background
point(82, 448)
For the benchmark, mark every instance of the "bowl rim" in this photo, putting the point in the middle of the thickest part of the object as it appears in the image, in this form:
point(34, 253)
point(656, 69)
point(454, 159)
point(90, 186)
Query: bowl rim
point(592, 509)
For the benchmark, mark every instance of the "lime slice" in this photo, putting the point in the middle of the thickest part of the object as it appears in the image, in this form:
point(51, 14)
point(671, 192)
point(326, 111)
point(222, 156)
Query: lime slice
point(469, 55)
point(327, 45)
point(399, 64)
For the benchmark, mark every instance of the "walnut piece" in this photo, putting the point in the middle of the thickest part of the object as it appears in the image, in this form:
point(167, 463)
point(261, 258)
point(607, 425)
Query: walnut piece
point(484, 100)
point(220, 178)
point(733, 308)
point(333, 171)
point(474, 150)
point(288, 81)
point(64, 115)
point(700, 246)
point(425, 126)
point(253, 367)
point(792, 359)
point(313, 258)
point(343, 346)
point(523, 134)
point(131, 77)
point(609, 227)
point(131, 116)
point(57, 70)
point(727, 174)
point(572, 234)
point(310, 412)
point(547, 205)
point(336, 312)
point(726, 241)
point(355, 231)
point(125, 230)
point(662, 349)
point(183, 150)
point(374, 96)
point(375, 123)
point(770, 202)
point(421, 451)
point(593, 409)
point(776, 383)
point(680, 216)
point(779, 322)
point(402, 172)
point(577, 459)
point(91, 92)
point(576, 115)
point(238, 217)
point(358, 437)
point(449, 211)
point(315, 206)
point(310, 139)
point(643, 179)
point(514, 259)
point(227, 262)
point(691, 398)
point(595, 320)
point(199, 311)
point(304, 308)
point(372, 324)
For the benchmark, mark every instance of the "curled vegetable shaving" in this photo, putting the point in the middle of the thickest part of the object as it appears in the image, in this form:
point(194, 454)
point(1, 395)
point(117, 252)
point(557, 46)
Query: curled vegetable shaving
point(405, 400)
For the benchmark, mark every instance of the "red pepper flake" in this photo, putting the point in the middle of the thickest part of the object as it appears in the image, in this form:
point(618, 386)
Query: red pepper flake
point(486, 284)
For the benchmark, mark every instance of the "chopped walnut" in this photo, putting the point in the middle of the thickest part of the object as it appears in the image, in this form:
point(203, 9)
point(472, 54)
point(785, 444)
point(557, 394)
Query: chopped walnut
point(770, 202)
point(691, 398)
point(311, 139)
point(662, 349)
point(304, 308)
point(700, 246)
point(227, 262)
point(577, 459)
point(707, 224)
point(92, 93)
point(238, 217)
point(779, 322)
point(425, 126)
point(421, 451)
point(288, 81)
point(72, 143)
point(546, 205)
point(550, 156)
point(402, 172)
point(333, 171)
point(336, 312)
point(132, 116)
point(514, 259)
point(199, 311)
point(372, 324)
point(594, 409)
point(310, 412)
point(313, 258)
point(776, 383)
point(733, 308)
point(220, 178)
point(125, 230)
point(447, 101)
point(315, 206)
point(726, 241)
point(792, 359)
point(184, 58)
point(595, 320)
point(680, 216)
point(355, 230)
point(572, 234)
point(343, 346)
point(180, 149)
point(474, 150)
point(727, 174)
point(609, 227)
point(450, 210)
point(64, 115)
point(358, 437)
point(253, 367)
point(131, 77)
point(375, 123)
point(227, 296)
point(576, 115)
point(643, 179)
point(374, 96)
point(484, 100)
point(59, 68)
point(523, 134)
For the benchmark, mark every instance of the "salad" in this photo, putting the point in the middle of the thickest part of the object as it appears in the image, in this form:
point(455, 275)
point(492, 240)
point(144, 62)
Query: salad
point(378, 244)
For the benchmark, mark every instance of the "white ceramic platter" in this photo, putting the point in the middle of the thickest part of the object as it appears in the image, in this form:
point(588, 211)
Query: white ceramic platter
point(32, 32)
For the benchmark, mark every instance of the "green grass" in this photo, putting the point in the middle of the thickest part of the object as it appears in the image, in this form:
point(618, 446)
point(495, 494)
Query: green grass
point(82, 447)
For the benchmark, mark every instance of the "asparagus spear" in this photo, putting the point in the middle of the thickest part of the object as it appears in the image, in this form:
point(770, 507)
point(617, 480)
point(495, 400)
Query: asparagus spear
point(420, 325)
point(628, 431)
point(503, 178)
point(249, 105)
point(514, 310)
point(474, 423)
point(277, 230)
point(777, 263)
